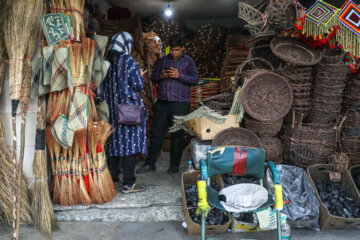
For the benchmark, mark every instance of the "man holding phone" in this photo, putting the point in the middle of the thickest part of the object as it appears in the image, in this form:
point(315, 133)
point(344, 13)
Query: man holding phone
point(174, 73)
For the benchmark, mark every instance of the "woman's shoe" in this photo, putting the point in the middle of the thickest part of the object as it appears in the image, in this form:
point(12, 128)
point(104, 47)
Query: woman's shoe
point(132, 189)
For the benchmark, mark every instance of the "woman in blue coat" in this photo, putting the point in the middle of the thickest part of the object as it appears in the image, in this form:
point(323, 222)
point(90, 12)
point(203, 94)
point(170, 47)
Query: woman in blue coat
point(123, 85)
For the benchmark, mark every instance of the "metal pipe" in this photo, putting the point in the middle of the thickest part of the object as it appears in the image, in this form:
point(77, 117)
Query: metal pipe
point(203, 220)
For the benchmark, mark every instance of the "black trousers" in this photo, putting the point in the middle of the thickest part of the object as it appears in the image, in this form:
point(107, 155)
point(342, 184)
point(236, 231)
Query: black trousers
point(129, 163)
point(164, 113)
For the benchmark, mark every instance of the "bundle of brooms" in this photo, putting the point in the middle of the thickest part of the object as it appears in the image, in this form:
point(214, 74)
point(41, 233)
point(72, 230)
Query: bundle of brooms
point(21, 20)
point(75, 170)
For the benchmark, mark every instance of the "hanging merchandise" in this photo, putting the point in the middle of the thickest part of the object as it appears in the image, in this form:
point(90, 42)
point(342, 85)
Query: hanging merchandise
point(323, 24)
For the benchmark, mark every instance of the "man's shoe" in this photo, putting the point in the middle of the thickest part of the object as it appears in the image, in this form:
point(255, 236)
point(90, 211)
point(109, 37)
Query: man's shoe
point(172, 171)
point(146, 168)
point(132, 189)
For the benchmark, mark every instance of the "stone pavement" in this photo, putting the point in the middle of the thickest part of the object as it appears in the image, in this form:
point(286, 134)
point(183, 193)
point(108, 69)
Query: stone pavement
point(161, 231)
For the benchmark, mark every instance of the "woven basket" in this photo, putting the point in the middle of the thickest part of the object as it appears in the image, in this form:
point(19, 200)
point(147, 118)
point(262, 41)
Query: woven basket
point(352, 118)
point(294, 51)
point(319, 115)
point(294, 74)
point(280, 16)
point(311, 132)
point(263, 128)
point(304, 152)
point(267, 96)
point(250, 66)
point(332, 55)
point(330, 90)
point(273, 149)
point(349, 104)
point(236, 137)
point(264, 51)
point(333, 71)
point(351, 146)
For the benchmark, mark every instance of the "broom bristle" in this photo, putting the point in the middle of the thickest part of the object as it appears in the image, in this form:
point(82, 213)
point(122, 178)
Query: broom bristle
point(84, 196)
point(75, 187)
point(93, 182)
point(70, 184)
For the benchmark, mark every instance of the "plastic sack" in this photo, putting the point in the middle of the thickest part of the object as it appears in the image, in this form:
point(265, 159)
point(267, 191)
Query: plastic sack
point(303, 208)
point(243, 197)
point(199, 150)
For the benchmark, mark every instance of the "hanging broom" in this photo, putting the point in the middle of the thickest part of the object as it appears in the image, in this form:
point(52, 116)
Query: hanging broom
point(42, 209)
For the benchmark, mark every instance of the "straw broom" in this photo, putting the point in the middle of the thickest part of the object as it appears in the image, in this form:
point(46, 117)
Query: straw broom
point(77, 17)
point(72, 174)
point(43, 212)
point(84, 196)
point(64, 185)
point(57, 148)
point(55, 181)
point(92, 161)
point(6, 186)
point(107, 188)
point(89, 183)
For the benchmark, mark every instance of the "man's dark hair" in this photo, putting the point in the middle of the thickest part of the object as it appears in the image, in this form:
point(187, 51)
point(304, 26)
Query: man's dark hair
point(176, 41)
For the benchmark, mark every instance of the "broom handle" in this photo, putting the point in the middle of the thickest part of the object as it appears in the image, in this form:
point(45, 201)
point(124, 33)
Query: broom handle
point(19, 177)
point(15, 104)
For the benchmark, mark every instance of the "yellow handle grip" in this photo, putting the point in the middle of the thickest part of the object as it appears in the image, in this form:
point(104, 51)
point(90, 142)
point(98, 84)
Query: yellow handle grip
point(279, 197)
point(203, 205)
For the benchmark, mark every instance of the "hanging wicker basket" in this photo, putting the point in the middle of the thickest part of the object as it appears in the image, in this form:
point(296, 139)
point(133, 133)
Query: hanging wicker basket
point(236, 137)
point(294, 51)
point(267, 96)
point(270, 20)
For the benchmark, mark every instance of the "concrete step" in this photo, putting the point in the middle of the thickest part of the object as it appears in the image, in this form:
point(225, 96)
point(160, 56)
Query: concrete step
point(161, 201)
point(156, 203)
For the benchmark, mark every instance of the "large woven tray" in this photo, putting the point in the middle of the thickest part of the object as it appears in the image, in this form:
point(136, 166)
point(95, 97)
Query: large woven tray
point(236, 137)
point(267, 96)
point(294, 51)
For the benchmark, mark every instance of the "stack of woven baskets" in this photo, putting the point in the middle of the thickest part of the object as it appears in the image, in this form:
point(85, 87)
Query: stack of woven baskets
point(299, 57)
point(300, 79)
point(328, 87)
point(266, 98)
point(350, 136)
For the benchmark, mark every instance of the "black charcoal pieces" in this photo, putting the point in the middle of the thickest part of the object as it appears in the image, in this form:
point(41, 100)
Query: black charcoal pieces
point(336, 200)
point(215, 216)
